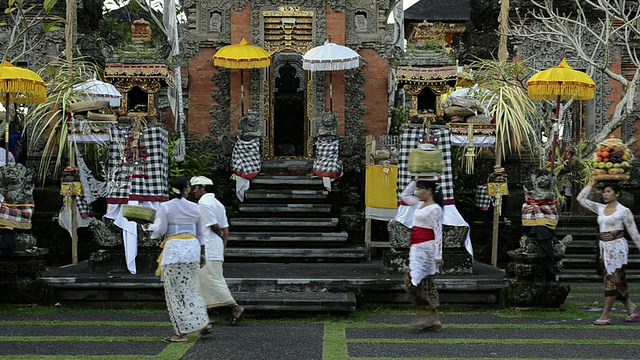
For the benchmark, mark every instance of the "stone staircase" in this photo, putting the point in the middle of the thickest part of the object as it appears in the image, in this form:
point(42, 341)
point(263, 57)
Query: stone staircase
point(288, 216)
point(580, 261)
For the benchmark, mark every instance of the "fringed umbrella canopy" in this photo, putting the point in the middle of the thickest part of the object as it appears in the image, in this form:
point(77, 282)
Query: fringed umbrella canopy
point(242, 56)
point(95, 89)
point(23, 85)
point(561, 83)
point(330, 57)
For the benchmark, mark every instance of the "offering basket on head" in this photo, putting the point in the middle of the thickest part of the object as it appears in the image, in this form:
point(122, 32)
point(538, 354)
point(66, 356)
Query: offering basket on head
point(612, 161)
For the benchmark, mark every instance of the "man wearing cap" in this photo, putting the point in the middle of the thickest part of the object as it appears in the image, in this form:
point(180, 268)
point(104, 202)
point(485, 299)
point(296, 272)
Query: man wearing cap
point(213, 286)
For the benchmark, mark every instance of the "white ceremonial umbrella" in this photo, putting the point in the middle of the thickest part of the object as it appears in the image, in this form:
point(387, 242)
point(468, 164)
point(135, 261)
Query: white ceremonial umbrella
point(330, 57)
point(99, 90)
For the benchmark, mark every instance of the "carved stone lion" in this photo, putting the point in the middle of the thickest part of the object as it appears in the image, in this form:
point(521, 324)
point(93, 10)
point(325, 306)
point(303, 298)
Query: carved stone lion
point(16, 184)
point(250, 126)
point(327, 125)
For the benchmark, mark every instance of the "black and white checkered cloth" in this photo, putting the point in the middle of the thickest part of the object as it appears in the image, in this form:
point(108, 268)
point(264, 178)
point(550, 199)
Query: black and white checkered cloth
point(483, 200)
point(409, 140)
point(138, 174)
point(84, 208)
point(327, 163)
point(245, 160)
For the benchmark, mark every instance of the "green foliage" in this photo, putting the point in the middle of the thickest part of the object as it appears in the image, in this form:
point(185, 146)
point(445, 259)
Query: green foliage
point(48, 120)
point(198, 159)
point(398, 117)
point(23, 17)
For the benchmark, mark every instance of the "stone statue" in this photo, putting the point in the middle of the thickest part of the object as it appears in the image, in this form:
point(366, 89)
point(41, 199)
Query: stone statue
point(361, 22)
point(140, 30)
point(16, 184)
point(327, 125)
point(215, 22)
point(250, 126)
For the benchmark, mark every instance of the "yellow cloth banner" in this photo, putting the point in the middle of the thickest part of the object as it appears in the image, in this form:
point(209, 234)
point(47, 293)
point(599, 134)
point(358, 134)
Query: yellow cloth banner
point(380, 191)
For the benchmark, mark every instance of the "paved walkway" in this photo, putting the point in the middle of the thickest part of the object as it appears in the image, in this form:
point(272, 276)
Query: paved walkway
point(56, 333)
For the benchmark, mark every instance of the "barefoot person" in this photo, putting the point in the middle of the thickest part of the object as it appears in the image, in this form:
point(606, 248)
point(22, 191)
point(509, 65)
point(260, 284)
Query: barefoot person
point(425, 254)
point(213, 286)
point(178, 222)
point(613, 218)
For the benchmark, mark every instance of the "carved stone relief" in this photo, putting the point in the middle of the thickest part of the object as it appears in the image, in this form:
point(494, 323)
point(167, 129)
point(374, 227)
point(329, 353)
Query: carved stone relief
point(292, 59)
point(211, 20)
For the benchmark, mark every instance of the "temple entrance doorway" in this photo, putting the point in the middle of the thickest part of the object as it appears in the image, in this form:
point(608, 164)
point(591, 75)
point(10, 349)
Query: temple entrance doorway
point(288, 126)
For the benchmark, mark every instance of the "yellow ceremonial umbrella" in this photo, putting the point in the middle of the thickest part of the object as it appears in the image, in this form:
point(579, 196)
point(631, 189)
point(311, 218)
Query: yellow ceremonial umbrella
point(560, 83)
point(19, 86)
point(242, 56)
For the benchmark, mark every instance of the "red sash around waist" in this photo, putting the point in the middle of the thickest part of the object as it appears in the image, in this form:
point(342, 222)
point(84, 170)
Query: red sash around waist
point(420, 235)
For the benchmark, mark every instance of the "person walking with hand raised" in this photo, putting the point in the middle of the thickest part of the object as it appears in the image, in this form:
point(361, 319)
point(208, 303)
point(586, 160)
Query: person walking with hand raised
point(613, 219)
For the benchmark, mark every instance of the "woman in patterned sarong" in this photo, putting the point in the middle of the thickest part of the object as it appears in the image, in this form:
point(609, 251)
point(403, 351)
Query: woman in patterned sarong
point(178, 223)
point(613, 219)
point(425, 254)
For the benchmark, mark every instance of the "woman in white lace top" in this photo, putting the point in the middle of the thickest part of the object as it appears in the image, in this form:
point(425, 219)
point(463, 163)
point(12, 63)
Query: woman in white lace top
point(178, 223)
point(613, 219)
point(425, 253)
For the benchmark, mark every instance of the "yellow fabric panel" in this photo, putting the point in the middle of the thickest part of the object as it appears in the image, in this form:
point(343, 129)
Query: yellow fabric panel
point(380, 189)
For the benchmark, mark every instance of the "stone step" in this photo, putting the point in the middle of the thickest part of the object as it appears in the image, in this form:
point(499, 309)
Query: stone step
point(278, 180)
point(294, 237)
point(285, 194)
point(592, 275)
point(287, 167)
point(297, 301)
point(588, 261)
point(302, 254)
point(285, 208)
point(307, 222)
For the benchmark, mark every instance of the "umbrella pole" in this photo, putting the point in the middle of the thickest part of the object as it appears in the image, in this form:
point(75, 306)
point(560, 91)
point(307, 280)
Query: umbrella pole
point(6, 130)
point(242, 91)
point(554, 136)
point(330, 93)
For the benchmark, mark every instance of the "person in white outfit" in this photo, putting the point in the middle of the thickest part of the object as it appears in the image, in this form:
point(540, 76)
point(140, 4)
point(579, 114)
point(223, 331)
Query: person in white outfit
point(613, 219)
point(213, 286)
point(179, 224)
point(425, 253)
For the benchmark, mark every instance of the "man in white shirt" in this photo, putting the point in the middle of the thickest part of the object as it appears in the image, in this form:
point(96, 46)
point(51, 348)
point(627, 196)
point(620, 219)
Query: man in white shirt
point(213, 286)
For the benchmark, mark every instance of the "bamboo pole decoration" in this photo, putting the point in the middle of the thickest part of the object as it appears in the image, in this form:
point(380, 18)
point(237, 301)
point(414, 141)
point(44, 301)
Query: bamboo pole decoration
point(504, 29)
point(69, 32)
point(6, 129)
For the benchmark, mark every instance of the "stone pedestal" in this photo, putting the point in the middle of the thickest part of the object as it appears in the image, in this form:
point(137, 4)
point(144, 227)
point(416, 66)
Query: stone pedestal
point(111, 257)
point(533, 286)
point(20, 277)
point(395, 262)
point(457, 261)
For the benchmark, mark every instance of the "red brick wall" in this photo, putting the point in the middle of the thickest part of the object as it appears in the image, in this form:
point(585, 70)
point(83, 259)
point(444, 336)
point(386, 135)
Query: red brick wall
point(201, 87)
point(376, 85)
point(336, 30)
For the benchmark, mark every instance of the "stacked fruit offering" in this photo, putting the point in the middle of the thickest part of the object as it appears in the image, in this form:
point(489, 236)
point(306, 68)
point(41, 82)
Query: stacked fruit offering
point(612, 160)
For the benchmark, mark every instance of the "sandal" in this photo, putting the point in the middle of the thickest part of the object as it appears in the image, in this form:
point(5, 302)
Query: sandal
point(207, 329)
point(236, 314)
point(174, 339)
point(633, 318)
point(602, 322)
point(432, 327)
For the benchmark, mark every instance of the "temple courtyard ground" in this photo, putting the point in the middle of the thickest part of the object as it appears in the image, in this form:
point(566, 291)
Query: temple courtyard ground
point(371, 333)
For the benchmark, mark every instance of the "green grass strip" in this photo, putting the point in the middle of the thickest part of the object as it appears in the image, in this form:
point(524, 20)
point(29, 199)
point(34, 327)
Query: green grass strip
point(474, 358)
point(499, 326)
point(84, 323)
point(496, 341)
point(78, 338)
point(334, 345)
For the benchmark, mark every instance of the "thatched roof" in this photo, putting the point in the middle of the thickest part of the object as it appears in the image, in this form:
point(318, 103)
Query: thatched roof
point(439, 10)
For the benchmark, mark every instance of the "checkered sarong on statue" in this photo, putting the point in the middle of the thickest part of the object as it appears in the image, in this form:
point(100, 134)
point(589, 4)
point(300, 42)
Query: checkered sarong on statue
point(327, 163)
point(540, 213)
point(245, 160)
point(409, 140)
point(16, 216)
point(138, 173)
point(483, 200)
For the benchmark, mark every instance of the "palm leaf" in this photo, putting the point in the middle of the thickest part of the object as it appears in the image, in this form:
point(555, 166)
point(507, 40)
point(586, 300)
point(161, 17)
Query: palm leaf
point(48, 120)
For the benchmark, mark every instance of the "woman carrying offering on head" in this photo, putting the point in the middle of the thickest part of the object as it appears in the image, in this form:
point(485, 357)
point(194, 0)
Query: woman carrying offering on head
point(425, 253)
point(178, 222)
point(613, 219)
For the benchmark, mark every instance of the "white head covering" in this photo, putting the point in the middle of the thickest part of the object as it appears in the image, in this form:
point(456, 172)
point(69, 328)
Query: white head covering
point(201, 180)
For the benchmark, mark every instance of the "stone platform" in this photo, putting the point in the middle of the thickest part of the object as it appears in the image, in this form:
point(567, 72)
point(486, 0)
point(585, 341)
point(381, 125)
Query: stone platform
point(279, 286)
